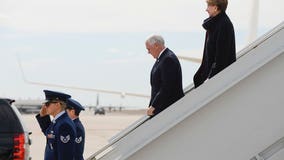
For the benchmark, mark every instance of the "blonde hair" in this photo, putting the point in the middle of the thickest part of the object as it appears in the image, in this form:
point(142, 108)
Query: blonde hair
point(63, 105)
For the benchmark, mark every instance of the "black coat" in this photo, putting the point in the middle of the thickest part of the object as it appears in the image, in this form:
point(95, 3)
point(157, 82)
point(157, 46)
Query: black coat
point(219, 48)
point(166, 81)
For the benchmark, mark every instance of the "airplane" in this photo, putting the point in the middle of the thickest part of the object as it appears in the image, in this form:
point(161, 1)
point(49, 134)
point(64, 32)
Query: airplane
point(102, 110)
point(33, 106)
point(28, 106)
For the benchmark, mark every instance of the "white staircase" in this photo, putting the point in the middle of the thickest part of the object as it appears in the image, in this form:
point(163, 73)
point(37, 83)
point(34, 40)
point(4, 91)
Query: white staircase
point(236, 115)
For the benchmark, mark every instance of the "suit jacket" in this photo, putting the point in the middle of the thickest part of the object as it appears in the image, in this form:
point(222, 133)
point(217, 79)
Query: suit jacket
point(219, 48)
point(166, 81)
point(60, 136)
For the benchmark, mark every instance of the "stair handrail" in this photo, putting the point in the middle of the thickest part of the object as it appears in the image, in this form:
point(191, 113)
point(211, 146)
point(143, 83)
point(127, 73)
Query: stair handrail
point(270, 151)
point(129, 129)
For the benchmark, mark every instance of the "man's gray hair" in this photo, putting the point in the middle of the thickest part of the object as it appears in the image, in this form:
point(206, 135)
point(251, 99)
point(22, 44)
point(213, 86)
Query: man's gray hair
point(156, 39)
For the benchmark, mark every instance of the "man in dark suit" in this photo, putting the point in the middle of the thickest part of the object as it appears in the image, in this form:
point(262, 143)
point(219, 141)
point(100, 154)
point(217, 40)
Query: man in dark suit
point(166, 76)
point(60, 132)
point(73, 110)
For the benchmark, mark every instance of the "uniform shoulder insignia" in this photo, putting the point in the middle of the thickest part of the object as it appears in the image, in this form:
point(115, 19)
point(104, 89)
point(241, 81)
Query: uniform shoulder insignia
point(65, 139)
point(79, 139)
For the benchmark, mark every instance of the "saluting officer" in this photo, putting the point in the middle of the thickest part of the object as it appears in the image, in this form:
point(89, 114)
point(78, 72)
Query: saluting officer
point(60, 132)
point(73, 110)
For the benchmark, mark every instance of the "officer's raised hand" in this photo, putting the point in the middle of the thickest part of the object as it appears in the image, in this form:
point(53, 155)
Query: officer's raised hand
point(43, 111)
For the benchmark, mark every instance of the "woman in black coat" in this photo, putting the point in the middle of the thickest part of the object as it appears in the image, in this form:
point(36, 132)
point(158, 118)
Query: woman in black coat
point(219, 48)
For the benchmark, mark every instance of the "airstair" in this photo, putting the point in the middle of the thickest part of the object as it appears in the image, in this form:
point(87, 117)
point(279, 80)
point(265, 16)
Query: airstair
point(236, 115)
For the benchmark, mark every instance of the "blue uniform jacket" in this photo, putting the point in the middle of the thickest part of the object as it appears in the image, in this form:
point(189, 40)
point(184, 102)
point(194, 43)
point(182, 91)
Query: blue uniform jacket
point(79, 140)
point(60, 136)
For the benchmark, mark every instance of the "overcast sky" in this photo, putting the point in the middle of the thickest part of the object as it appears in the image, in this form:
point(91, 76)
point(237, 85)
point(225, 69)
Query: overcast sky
point(51, 26)
point(126, 15)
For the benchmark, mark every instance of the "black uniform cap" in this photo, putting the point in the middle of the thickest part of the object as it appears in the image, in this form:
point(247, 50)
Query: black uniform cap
point(73, 104)
point(53, 95)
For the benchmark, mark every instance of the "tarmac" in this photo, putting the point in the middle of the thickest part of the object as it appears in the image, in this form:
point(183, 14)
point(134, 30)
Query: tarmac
point(98, 128)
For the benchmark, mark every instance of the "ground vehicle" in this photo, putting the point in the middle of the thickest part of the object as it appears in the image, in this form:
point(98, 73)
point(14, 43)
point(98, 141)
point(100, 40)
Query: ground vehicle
point(14, 137)
point(100, 111)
